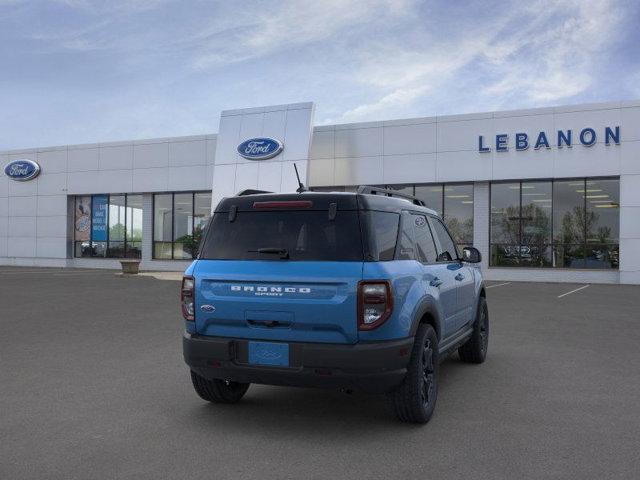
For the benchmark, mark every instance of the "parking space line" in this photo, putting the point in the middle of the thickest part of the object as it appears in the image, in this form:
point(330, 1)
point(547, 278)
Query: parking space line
point(573, 291)
point(32, 270)
point(56, 273)
point(498, 285)
point(22, 273)
point(80, 273)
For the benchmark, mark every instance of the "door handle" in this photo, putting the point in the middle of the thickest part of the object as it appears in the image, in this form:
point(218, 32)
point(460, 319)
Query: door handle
point(269, 323)
point(436, 282)
point(459, 277)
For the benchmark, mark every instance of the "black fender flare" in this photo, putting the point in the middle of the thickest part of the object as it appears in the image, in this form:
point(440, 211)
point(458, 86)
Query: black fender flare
point(482, 293)
point(427, 306)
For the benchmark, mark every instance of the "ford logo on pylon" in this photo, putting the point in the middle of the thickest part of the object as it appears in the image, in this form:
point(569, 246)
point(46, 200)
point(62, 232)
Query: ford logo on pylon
point(22, 170)
point(260, 148)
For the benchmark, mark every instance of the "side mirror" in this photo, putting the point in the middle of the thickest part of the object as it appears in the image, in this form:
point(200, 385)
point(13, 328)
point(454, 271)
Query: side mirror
point(471, 255)
point(444, 257)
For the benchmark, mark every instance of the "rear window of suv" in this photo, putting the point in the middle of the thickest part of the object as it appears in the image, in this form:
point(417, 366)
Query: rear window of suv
point(303, 235)
point(382, 236)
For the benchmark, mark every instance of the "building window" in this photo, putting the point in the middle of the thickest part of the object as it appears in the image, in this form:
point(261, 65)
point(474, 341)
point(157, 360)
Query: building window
point(178, 221)
point(431, 195)
point(183, 226)
point(133, 231)
point(117, 219)
point(521, 224)
point(108, 226)
point(564, 224)
point(453, 202)
point(457, 212)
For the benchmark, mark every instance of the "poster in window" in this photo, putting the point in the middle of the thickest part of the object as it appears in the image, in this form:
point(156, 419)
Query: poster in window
point(99, 218)
point(83, 219)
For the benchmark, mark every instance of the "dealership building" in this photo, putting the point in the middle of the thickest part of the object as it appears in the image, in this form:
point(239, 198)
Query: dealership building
point(548, 194)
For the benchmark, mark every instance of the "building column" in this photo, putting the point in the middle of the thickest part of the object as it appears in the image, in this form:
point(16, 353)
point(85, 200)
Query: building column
point(629, 229)
point(481, 209)
point(147, 227)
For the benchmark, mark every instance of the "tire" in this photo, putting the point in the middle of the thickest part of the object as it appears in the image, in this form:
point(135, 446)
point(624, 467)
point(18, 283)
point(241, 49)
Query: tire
point(415, 399)
point(218, 391)
point(475, 349)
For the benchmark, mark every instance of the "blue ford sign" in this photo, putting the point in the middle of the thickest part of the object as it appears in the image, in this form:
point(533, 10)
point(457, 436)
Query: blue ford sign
point(22, 170)
point(260, 148)
point(565, 138)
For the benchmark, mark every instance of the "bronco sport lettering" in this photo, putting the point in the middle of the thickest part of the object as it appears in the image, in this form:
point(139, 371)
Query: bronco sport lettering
point(250, 288)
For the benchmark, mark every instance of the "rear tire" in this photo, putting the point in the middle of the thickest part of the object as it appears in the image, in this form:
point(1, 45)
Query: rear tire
point(218, 391)
point(475, 349)
point(415, 399)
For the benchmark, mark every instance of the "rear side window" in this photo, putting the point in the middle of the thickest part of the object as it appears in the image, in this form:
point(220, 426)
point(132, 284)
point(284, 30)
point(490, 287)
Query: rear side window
point(406, 240)
point(447, 249)
point(381, 231)
point(426, 249)
point(304, 235)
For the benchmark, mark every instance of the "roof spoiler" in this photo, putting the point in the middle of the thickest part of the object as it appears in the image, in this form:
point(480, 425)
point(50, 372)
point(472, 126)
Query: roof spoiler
point(367, 190)
point(251, 191)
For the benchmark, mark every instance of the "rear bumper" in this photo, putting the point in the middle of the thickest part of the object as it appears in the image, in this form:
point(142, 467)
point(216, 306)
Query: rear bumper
point(374, 367)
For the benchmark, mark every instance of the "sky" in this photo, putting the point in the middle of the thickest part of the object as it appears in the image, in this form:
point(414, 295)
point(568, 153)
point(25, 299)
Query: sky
point(79, 71)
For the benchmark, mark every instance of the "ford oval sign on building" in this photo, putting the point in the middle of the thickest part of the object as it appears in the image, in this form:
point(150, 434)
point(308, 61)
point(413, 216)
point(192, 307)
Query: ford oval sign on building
point(22, 170)
point(260, 148)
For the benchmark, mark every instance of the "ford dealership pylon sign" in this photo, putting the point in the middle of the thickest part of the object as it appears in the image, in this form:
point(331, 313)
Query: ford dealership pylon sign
point(260, 148)
point(22, 170)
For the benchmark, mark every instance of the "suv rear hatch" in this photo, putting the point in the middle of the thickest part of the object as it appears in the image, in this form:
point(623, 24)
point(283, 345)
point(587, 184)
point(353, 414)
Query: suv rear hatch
point(282, 267)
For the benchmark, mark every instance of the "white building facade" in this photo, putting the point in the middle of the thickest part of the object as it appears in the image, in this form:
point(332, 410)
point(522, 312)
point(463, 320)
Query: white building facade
point(549, 194)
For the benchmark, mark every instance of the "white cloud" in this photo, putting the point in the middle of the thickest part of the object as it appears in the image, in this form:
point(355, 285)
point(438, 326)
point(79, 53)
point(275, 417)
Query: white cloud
point(544, 52)
point(159, 68)
point(397, 98)
point(112, 6)
point(254, 33)
point(554, 63)
point(405, 76)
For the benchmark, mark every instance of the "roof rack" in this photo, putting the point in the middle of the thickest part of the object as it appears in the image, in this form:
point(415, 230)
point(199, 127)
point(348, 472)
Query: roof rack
point(251, 191)
point(366, 189)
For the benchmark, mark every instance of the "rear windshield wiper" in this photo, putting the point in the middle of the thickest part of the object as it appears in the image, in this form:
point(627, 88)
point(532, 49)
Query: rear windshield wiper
point(283, 252)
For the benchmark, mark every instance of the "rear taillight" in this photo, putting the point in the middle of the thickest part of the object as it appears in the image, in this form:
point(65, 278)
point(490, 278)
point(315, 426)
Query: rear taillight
point(186, 298)
point(375, 303)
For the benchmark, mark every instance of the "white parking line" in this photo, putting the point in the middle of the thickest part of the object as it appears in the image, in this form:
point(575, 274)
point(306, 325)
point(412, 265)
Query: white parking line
point(573, 291)
point(498, 285)
point(56, 273)
point(68, 274)
point(23, 273)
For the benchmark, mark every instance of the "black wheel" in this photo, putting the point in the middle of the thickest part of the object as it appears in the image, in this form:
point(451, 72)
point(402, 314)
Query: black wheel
point(218, 391)
point(475, 349)
point(415, 399)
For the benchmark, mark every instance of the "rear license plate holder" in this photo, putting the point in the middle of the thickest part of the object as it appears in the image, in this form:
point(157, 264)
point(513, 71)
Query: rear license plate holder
point(269, 353)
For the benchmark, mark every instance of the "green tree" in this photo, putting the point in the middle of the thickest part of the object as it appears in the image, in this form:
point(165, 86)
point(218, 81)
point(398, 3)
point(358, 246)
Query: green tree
point(191, 243)
point(116, 232)
point(574, 225)
point(508, 225)
point(536, 234)
point(461, 232)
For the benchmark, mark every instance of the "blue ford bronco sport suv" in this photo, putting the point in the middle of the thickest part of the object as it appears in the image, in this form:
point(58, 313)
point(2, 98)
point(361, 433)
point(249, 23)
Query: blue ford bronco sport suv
point(358, 291)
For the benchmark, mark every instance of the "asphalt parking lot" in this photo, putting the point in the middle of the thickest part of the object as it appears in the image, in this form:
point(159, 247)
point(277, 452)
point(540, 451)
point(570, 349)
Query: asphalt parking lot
point(92, 385)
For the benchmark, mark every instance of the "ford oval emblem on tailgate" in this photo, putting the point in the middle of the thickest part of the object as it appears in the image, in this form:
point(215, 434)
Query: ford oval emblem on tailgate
point(207, 308)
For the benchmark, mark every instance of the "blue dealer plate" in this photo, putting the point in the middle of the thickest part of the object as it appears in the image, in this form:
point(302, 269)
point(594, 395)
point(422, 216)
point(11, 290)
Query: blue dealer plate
point(267, 353)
